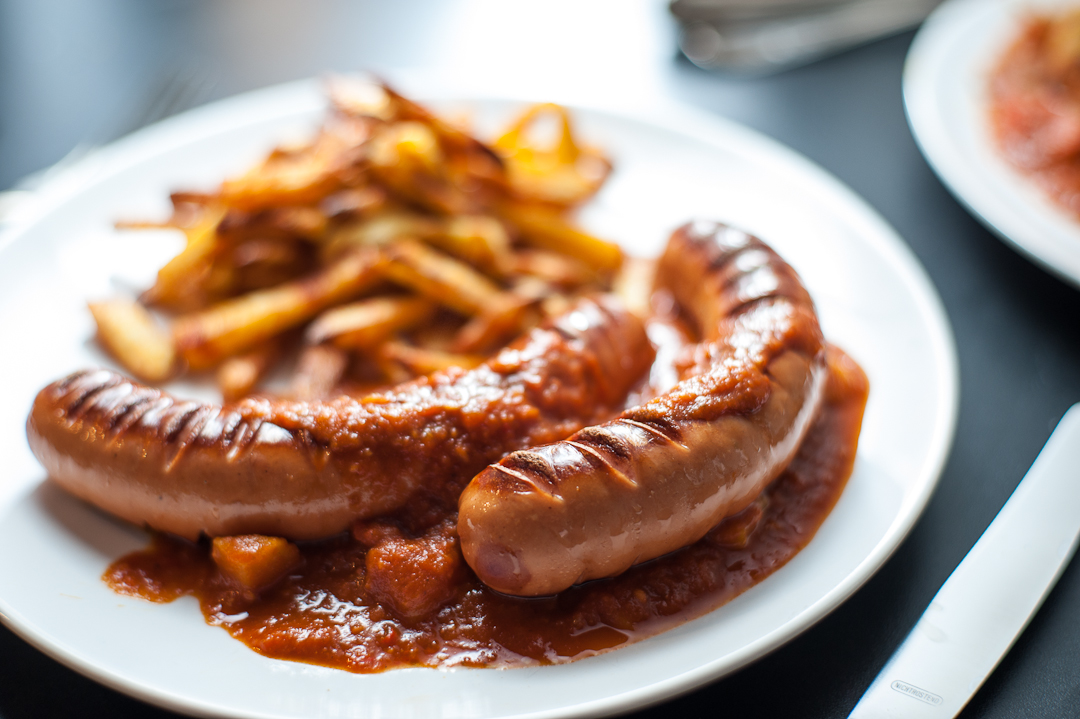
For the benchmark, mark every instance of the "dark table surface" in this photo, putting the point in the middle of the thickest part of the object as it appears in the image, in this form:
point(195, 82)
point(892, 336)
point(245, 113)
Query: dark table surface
point(74, 74)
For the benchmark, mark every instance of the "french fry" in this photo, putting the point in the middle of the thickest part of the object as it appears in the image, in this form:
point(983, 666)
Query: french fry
point(387, 196)
point(357, 97)
point(296, 176)
point(237, 376)
point(207, 337)
point(406, 158)
point(440, 277)
point(393, 372)
point(437, 334)
point(421, 361)
point(188, 209)
point(364, 324)
point(551, 267)
point(450, 136)
point(563, 174)
point(318, 371)
point(382, 102)
point(128, 331)
point(146, 225)
point(187, 197)
point(505, 319)
point(634, 284)
point(555, 305)
point(549, 230)
point(354, 202)
point(300, 221)
point(480, 240)
point(382, 229)
point(180, 283)
point(260, 262)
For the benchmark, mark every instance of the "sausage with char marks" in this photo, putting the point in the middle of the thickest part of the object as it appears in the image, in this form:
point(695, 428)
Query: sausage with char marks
point(306, 470)
point(662, 474)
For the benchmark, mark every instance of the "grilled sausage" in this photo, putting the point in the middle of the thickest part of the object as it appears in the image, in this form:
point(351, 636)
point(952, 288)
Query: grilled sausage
point(662, 474)
point(307, 470)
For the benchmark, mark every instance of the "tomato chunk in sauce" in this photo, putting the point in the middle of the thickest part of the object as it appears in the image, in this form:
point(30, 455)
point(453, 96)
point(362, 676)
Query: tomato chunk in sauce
point(397, 593)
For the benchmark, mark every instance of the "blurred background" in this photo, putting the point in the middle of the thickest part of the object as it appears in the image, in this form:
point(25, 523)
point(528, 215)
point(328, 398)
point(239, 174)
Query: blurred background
point(82, 73)
point(75, 74)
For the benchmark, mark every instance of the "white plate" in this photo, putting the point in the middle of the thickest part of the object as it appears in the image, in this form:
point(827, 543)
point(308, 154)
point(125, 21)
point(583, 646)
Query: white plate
point(945, 93)
point(874, 299)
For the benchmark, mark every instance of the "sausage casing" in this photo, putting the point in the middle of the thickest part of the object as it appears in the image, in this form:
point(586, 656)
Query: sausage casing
point(305, 470)
point(662, 474)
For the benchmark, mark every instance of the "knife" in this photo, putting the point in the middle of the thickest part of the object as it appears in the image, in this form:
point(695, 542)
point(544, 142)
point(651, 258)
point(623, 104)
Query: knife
point(989, 599)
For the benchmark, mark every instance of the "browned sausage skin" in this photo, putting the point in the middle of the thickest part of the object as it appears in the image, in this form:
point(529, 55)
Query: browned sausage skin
point(306, 470)
point(662, 474)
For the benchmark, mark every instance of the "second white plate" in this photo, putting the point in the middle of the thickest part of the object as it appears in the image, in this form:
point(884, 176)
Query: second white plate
point(671, 164)
point(945, 93)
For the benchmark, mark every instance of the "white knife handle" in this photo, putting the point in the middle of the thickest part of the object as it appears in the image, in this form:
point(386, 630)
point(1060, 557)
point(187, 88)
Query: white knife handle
point(989, 599)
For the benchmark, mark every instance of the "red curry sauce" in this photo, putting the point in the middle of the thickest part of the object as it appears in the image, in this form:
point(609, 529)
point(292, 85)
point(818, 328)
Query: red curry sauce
point(396, 593)
point(1034, 96)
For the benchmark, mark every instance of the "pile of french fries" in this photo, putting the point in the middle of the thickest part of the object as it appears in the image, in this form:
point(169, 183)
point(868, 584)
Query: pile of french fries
point(391, 245)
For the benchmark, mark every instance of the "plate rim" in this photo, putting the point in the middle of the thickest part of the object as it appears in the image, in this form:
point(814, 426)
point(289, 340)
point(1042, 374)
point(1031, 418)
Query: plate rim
point(667, 115)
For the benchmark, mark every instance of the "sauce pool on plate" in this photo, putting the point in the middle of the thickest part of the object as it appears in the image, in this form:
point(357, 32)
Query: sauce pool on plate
point(396, 593)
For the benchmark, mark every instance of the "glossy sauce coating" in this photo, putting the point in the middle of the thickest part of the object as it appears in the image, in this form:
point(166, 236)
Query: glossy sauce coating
point(352, 605)
point(307, 470)
point(664, 472)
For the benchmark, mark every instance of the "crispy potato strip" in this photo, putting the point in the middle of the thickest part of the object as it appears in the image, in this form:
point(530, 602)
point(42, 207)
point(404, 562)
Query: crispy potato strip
point(551, 267)
point(634, 284)
point(296, 176)
point(128, 331)
point(365, 324)
point(393, 242)
point(440, 277)
point(418, 361)
point(238, 376)
point(207, 337)
point(182, 282)
point(318, 372)
point(564, 173)
point(507, 317)
point(480, 240)
point(547, 229)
